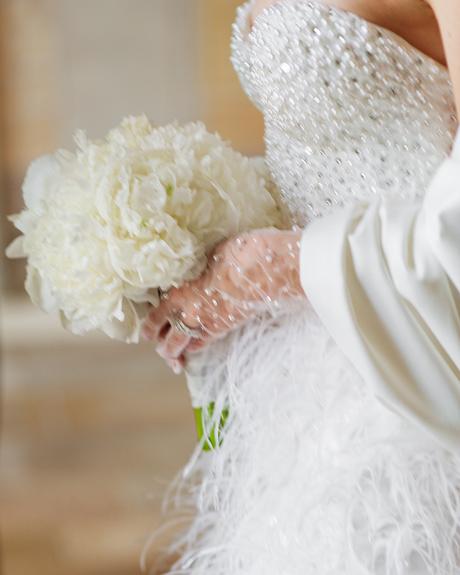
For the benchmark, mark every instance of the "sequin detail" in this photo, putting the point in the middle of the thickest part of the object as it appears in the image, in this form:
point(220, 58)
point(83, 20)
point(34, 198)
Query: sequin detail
point(351, 110)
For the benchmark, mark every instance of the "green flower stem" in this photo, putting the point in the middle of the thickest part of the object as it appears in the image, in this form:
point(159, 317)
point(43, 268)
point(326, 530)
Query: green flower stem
point(209, 431)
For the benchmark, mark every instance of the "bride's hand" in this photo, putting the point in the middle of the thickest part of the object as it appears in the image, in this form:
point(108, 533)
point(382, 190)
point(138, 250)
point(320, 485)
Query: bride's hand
point(245, 274)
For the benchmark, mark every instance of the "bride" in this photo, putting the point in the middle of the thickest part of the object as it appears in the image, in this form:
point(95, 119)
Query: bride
point(334, 346)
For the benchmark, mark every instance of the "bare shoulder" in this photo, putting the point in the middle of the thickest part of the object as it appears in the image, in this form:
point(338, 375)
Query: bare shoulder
point(370, 9)
point(448, 16)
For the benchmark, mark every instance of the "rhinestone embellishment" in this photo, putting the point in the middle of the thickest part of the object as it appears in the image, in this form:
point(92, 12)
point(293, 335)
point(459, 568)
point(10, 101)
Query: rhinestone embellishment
point(351, 110)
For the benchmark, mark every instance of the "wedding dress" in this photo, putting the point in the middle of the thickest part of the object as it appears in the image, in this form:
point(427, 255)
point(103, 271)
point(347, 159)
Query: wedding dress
point(319, 471)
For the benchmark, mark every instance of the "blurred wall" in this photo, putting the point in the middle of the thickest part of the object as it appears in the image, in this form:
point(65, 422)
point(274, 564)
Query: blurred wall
point(94, 430)
point(125, 57)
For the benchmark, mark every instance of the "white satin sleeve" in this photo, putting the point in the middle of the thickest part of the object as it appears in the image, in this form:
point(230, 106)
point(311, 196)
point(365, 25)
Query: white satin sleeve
point(385, 280)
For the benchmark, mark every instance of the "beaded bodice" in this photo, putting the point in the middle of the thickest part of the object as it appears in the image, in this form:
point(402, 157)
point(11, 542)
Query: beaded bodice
point(351, 110)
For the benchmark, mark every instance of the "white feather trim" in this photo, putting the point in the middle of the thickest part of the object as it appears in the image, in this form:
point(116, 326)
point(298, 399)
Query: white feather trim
point(315, 475)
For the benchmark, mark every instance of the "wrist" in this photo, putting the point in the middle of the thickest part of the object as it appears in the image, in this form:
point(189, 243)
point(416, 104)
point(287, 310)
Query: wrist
point(289, 252)
point(267, 264)
point(280, 250)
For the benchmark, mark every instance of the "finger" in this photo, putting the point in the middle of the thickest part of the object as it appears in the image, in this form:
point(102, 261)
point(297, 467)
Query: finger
point(176, 365)
point(197, 344)
point(155, 332)
point(173, 344)
point(157, 315)
point(157, 322)
point(217, 327)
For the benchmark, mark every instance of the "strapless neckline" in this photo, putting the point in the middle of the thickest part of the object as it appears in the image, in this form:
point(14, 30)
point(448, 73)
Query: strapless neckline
point(267, 13)
point(352, 110)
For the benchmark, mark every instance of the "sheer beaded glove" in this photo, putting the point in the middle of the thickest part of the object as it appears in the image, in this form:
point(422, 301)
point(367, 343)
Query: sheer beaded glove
point(248, 274)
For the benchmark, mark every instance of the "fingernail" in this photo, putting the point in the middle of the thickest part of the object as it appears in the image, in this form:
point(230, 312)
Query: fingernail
point(176, 367)
point(160, 349)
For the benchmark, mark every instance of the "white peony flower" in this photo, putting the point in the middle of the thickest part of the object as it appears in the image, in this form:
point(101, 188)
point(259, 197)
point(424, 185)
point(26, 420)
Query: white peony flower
point(108, 225)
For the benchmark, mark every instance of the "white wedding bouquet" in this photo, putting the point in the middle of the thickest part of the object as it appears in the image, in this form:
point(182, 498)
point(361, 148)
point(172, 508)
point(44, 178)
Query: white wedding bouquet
point(106, 227)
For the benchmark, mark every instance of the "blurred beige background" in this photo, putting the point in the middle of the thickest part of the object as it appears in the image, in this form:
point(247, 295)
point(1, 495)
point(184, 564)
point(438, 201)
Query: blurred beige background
point(93, 431)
